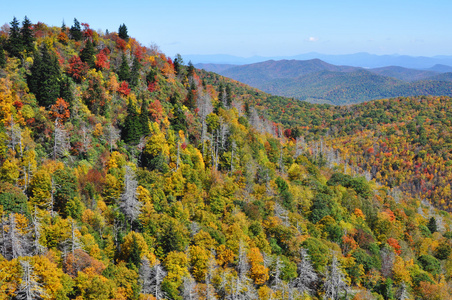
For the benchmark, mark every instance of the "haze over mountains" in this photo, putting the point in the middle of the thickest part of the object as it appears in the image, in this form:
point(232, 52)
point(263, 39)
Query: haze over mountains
point(317, 81)
point(362, 59)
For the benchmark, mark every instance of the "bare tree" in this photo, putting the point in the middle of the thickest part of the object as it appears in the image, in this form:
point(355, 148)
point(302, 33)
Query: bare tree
point(37, 247)
point(73, 242)
point(60, 141)
point(335, 285)
point(29, 288)
point(205, 107)
point(189, 288)
point(129, 202)
point(211, 266)
point(307, 277)
point(402, 293)
point(112, 135)
point(155, 283)
point(15, 239)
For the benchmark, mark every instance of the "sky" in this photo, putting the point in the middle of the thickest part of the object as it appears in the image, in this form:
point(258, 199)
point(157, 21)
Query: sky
point(248, 28)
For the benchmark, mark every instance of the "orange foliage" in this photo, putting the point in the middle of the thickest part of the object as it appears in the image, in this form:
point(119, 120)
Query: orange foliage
point(60, 110)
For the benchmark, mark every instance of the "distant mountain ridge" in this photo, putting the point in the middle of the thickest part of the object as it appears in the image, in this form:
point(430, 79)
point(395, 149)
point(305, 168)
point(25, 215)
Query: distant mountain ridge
point(364, 60)
point(320, 82)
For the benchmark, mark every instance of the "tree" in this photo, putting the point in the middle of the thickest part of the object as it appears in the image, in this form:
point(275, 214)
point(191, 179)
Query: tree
point(335, 285)
point(29, 287)
point(131, 132)
point(122, 32)
point(76, 31)
point(124, 69)
point(129, 204)
point(14, 44)
point(27, 36)
point(87, 54)
point(60, 141)
point(45, 77)
point(2, 57)
point(135, 72)
point(432, 225)
point(307, 277)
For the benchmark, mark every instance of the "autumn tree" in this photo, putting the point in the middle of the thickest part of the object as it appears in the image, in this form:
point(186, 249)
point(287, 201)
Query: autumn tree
point(129, 203)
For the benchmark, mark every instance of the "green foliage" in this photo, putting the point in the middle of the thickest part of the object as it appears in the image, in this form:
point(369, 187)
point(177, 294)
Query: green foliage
point(429, 264)
point(44, 80)
point(122, 32)
point(87, 54)
point(76, 31)
point(13, 200)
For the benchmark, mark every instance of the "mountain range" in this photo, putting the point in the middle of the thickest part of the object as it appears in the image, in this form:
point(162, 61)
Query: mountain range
point(362, 59)
point(317, 81)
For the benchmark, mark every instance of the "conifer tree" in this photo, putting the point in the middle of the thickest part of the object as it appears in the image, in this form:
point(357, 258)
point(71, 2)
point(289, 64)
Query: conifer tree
point(76, 31)
point(14, 43)
point(45, 77)
point(132, 128)
point(2, 57)
point(135, 72)
point(144, 118)
point(122, 32)
point(87, 54)
point(27, 36)
point(124, 69)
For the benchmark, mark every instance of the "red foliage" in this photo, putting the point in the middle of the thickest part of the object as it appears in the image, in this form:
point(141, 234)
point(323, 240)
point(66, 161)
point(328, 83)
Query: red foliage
point(18, 105)
point(60, 110)
point(87, 32)
point(152, 86)
point(124, 88)
point(184, 146)
point(156, 111)
point(170, 61)
point(121, 44)
point(102, 59)
point(80, 261)
point(77, 68)
point(287, 132)
point(395, 245)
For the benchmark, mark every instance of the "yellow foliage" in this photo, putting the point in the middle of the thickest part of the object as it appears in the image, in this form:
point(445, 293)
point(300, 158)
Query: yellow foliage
point(126, 246)
point(176, 263)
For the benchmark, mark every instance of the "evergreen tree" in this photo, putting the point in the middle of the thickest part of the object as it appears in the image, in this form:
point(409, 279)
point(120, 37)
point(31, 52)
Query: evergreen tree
point(124, 69)
point(76, 31)
point(122, 32)
point(134, 256)
point(44, 80)
point(144, 118)
point(14, 44)
point(191, 69)
point(432, 225)
point(228, 95)
point(132, 128)
point(2, 57)
point(135, 72)
point(27, 36)
point(63, 27)
point(66, 89)
point(87, 54)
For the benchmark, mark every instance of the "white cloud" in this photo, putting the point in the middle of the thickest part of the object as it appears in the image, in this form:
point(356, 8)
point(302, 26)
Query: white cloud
point(313, 39)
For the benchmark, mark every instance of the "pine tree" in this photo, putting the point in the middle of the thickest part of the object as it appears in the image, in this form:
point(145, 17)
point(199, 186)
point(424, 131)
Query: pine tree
point(27, 36)
point(76, 31)
point(66, 91)
point(124, 69)
point(2, 57)
point(44, 80)
point(134, 256)
point(135, 72)
point(122, 32)
point(432, 225)
point(144, 118)
point(87, 54)
point(131, 132)
point(14, 44)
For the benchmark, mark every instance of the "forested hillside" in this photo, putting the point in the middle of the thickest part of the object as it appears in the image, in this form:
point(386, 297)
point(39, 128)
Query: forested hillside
point(125, 174)
point(316, 81)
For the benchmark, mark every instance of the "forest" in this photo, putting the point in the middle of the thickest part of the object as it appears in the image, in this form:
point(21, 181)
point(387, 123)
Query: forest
point(128, 174)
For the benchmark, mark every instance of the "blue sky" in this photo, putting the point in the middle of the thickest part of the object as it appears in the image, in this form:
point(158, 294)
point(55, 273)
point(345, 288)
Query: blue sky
point(265, 28)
